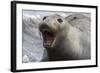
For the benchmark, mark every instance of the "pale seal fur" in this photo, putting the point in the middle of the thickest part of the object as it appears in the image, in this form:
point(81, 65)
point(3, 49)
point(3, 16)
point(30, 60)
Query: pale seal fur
point(70, 37)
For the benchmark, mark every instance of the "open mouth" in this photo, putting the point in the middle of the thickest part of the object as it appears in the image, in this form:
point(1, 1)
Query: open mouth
point(48, 38)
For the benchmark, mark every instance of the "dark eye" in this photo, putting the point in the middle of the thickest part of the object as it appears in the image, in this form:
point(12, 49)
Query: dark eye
point(60, 20)
point(44, 18)
point(75, 18)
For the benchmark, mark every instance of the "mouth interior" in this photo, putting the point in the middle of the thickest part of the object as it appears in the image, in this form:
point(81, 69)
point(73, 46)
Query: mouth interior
point(48, 38)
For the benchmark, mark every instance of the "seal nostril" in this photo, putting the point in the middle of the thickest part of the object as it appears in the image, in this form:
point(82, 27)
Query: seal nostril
point(60, 20)
point(43, 26)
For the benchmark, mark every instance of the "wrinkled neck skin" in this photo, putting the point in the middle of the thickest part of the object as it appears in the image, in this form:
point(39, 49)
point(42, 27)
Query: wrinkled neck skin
point(66, 47)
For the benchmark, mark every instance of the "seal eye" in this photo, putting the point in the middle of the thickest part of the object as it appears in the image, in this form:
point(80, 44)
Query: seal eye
point(75, 18)
point(44, 18)
point(60, 20)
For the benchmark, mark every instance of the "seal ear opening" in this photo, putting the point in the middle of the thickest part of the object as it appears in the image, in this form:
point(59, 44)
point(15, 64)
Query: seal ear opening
point(79, 21)
point(76, 17)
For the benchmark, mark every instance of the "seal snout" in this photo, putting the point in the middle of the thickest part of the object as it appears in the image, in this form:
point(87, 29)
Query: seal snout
point(48, 35)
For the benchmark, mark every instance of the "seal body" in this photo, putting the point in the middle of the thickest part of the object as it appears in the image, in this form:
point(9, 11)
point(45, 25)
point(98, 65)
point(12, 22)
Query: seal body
point(62, 40)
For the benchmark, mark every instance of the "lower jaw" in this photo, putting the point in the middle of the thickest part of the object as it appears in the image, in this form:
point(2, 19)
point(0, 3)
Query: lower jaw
point(47, 46)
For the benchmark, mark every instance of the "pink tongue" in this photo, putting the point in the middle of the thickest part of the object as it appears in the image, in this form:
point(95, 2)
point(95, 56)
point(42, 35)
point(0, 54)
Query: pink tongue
point(49, 37)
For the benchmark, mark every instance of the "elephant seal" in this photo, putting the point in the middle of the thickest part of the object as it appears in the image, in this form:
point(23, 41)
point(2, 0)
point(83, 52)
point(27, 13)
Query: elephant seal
point(65, 40)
